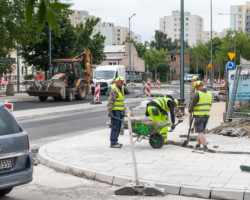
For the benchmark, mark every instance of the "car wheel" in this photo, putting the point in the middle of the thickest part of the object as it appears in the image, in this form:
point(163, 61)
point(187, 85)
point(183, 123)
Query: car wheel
point(5, 191)
point(43, 98)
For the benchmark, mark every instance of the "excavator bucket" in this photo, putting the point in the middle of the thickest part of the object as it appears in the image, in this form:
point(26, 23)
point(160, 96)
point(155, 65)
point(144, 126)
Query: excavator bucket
point(47, 88)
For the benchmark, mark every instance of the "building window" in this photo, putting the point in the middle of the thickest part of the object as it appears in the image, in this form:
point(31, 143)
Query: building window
point(186, 35)
point(239, 22)
point(175, 29)
point(186, 29)
point(118, 38)
point(248, 29)
point(114, 63)
point(248, 11)
point(110, 63)
point(186, 24)
point(248, 17)
point(240, 29)
point(239, 16)
point(175, 19)
point(186, 40)
point(173, 58)
point(248, 23)
point(175, 35)
point(239, 10)
point(118, 30)
point(175, 24)
point(118, 34)
point(187, 19)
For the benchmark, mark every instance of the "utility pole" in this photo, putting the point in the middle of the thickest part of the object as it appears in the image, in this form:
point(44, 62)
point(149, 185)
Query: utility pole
point(211, 71)
point(50, 56)
point(18, 68)
point(129, 47)
point(182, 52)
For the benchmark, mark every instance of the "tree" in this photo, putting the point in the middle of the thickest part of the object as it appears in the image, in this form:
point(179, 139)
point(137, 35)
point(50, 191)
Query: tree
point(63, 42)
point(162, 70)
point(46, 10)
point(86, 40)
point(141, 48)
point(161, 41)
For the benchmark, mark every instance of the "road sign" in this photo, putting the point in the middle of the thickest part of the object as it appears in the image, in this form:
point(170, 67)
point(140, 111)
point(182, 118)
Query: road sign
point(209, 66)
point(231, 55)
point(230, 65)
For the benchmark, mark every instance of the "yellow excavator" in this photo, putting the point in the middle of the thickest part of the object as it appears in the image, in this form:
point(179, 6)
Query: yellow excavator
point(70, 78)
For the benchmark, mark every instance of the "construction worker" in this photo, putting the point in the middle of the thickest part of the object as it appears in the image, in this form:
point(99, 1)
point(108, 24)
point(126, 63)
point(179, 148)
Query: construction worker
point(116, 110)
point(158, 110)
point(110, 87)
point(192, 92)
point(200, 106)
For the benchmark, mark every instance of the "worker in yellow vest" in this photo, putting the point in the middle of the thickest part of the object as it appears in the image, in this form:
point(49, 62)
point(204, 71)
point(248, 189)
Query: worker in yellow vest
point(192, 92)
point(201, 106)
point(159, 108)
point(116, 110)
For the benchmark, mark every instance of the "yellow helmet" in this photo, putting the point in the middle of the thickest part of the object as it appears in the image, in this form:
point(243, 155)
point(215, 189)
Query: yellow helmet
point(195, 78)
point(119, 78)
point(198, 83)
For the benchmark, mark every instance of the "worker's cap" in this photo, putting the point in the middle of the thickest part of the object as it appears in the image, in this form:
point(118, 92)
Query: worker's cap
point(176, 103)
point(195, 78)
point(119, 78)
point(198, 83)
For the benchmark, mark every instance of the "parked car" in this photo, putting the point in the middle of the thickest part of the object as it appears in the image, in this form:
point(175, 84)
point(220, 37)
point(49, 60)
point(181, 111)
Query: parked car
point(16, 162)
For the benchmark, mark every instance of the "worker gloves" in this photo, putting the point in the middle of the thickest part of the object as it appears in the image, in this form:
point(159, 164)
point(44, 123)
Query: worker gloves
point(110, 114)
point(173, 126)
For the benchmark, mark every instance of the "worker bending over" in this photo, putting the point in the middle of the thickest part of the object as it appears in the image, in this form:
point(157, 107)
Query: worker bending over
point(158, 110)
point(201, 105)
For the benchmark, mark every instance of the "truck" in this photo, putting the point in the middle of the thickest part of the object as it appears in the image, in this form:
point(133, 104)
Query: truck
point(70, 78)
point(104, 75)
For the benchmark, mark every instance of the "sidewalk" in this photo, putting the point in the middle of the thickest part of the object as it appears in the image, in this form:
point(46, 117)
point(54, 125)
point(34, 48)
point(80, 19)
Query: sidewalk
point(177, 169)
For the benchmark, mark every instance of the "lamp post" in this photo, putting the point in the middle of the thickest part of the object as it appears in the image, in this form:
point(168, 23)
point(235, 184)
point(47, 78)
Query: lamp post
point(211, 71)
point(130, 47)
point(182, 52)
point(234, 14)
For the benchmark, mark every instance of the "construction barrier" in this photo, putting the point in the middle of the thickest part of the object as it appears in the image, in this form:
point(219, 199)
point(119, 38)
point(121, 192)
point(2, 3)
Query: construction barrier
point(158, 83)
point(9, 106)
point(148, 89)
point(214, 80)
point(97, 93)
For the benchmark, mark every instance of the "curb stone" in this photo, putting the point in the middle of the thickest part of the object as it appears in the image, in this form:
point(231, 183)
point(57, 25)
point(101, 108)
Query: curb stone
point(121, 181)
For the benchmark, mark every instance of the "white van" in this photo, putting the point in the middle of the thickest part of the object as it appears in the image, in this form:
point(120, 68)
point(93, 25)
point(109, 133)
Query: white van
point(105, 74)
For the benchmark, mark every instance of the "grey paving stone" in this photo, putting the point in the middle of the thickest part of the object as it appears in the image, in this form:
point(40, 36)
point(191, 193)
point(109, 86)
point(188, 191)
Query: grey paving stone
point(227, 194)
point(247, 195)
point(195, 192)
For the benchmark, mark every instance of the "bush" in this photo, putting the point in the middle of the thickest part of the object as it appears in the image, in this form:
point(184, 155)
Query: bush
point(29, 76)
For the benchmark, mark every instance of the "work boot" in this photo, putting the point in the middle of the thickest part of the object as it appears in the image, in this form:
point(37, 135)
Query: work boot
point(168, 142)
point(116, 145)
point(197, 147)
point(205, 149)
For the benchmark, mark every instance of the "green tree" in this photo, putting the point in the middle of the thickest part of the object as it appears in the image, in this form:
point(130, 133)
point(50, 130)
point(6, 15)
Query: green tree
point(85, 40)
point(161, 41)
point(162, 70)
point(63, 42)
point(141, 48)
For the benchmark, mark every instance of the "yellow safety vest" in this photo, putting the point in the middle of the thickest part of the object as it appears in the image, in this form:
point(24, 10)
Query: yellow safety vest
point(163, 102)
point(112, 86)
point(119, 101)
point(204, 104)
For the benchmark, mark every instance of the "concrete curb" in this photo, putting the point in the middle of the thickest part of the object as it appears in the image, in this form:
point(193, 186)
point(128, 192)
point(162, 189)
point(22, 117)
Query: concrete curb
point(200, 192)
point(77, 109)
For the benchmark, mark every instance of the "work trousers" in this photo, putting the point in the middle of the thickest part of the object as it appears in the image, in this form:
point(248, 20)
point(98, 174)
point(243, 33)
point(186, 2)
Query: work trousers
point(115, 126)
point(157, 116)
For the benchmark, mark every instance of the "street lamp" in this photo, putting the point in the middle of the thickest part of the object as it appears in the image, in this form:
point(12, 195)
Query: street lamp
point(234, 14)
point(211, 71)
point(130, 48)
point(182, 52)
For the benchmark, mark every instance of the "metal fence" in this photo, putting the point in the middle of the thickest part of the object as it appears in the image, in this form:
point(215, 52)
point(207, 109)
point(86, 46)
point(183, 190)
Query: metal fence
point(239, 93)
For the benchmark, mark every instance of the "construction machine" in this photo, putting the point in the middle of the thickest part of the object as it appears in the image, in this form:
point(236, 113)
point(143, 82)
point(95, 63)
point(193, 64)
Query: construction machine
point(70, 78)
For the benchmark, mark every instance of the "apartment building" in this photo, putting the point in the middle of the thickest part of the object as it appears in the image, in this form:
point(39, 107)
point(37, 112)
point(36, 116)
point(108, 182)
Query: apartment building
point(193, 27)
point(207, 34)
point(115, 35)
point(240, 17)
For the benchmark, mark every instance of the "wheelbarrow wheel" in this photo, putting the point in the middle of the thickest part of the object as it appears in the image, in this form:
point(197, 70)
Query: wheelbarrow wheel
point(156, 141)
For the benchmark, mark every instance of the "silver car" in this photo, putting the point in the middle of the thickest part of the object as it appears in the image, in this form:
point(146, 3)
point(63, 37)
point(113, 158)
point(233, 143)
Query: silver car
point(16, 162)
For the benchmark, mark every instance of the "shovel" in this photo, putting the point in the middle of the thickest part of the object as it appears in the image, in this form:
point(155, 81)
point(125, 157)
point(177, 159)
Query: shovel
point(191, 118)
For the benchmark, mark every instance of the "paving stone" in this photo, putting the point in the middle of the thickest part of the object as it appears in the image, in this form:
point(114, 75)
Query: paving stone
point(247, 195)
point(59, 166)
point(120, 181)
point(104, 178)
point(227, 194)
point(195, 192)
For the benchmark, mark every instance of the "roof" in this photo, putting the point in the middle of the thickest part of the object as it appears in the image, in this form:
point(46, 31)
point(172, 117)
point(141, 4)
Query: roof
point(114, 48)
point(175, 51)
point(115, 57)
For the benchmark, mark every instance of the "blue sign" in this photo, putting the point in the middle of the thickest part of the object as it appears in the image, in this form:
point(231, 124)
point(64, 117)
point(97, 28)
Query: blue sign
point(230, 65)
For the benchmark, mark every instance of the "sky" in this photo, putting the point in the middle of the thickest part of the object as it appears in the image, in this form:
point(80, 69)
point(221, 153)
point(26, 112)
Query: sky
point(149, 12)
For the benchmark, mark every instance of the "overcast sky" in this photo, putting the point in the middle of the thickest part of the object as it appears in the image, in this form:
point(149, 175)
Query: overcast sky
point(148, 12)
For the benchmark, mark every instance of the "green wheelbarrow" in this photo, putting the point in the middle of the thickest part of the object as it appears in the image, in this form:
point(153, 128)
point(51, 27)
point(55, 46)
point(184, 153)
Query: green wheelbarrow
point(150, 130)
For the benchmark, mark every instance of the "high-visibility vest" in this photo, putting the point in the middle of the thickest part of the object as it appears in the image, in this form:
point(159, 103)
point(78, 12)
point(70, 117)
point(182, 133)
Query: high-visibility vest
point(112, 86)
point(119, 101)
point(163, 102)
point(204, 104)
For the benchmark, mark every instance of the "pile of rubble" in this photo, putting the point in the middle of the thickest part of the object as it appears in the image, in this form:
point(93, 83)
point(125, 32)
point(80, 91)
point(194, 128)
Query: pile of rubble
point(239, 128)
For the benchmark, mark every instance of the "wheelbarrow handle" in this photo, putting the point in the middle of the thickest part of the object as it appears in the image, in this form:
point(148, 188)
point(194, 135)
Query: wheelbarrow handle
point(172, 129)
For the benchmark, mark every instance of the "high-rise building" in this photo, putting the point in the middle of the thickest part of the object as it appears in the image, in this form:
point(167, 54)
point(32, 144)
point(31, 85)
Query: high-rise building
point(240, 17)
point(193, 27)
point(107, 30)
